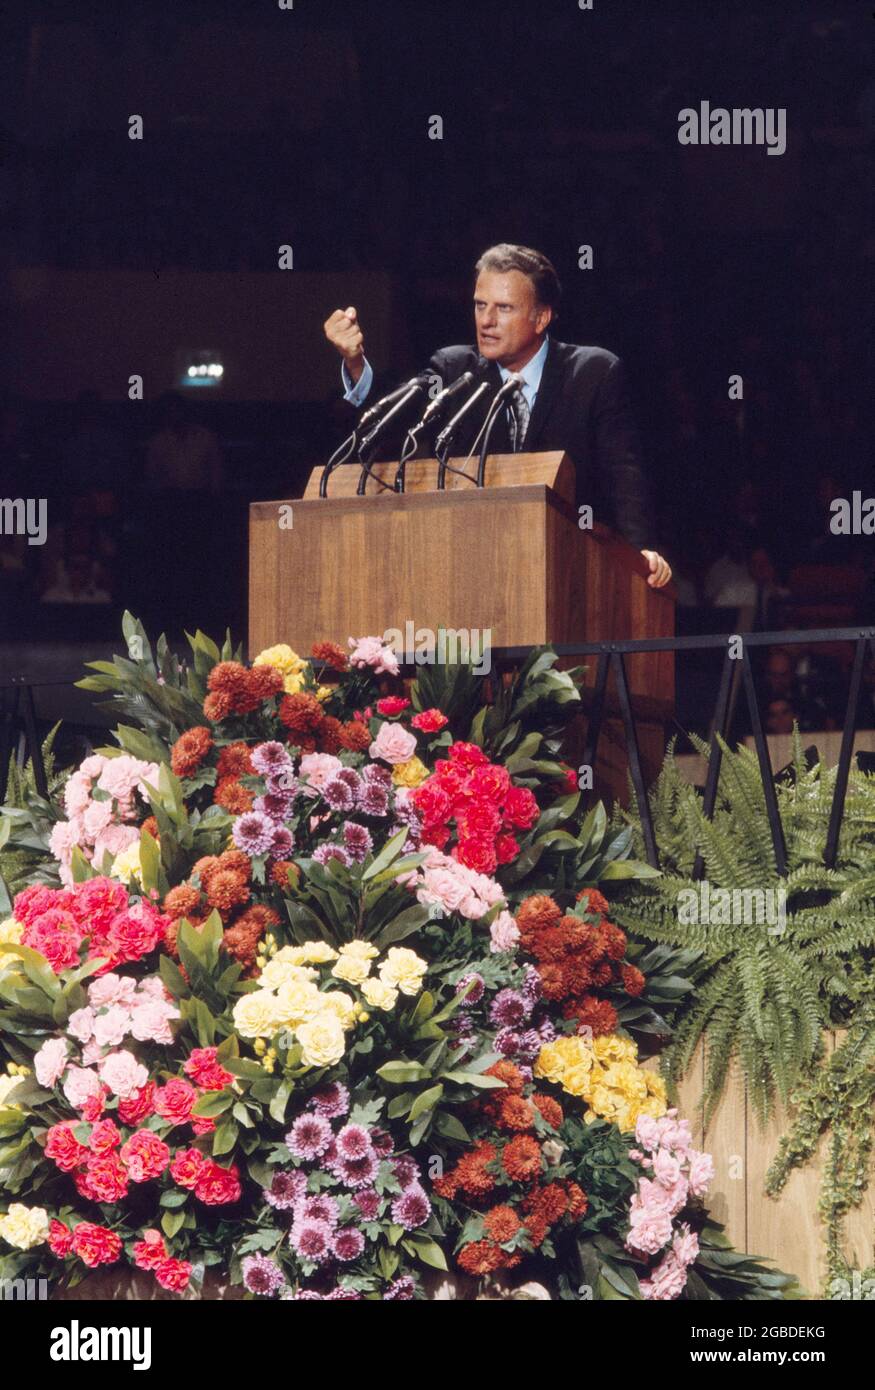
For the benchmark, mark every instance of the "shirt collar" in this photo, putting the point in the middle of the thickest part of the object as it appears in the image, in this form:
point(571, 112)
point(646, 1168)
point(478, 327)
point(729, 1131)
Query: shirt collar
point(533, 370)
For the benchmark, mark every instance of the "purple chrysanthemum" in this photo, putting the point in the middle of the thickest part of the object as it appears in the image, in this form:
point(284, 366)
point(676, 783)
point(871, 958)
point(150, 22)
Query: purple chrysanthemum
point(509, 1008)
point(276, 805)
point(338, 795)
point(350, 778)
point(412, 1208)
point(341, 1293)
point(271, 758)
point(406, 1170)
point(382, 1142)
point(377, 775)
point(472, 986)
point(358, 840)
point(368, 1202)
point(348, 1244)
point(326, 852)
point(307, 1296)
point(311, 1240)
point(353, 1141)
point(531, 1043)
point(507, 1042)
point(401, 1289)
point(282, 844)
point(546, 1031)
point(374, 799)
point(282, 783)
point(332, 1100)
point(317, 1206)
point(357, 1172)
point(285, 1190)
point(253, 833)
point(261, 1275)
point(532, 985)
point(309, 1136)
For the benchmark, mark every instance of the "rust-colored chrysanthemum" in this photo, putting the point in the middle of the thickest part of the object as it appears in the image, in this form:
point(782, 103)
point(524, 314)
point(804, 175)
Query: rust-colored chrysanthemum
point(552, 981)
point(633, 979)
point(515, 1113)
point(241, 940)
point(232, 796)
point(236, 861)
point(280, 873)
point(354, 736)
point(227, 890)
point(508, 1073)
point(264, 682)
point(189, 751)
point(550, 1109)
point(301, 713)
point(480, 1257)
point(447, 1186)
point(329, 734)
point(551, 1203)
point(577, 974)
point(614, 939)
point(594, 901)
point(217, 706)
point(228, 677)
point(598, 1015)
point(537, 912)
point(521, 1158)
point(150, 825)
point(602, 974)
point(235, 759)
point(577, 1201)
point(537, 1228)
point(329, 652)
point(501, 1223)
point(181, 901)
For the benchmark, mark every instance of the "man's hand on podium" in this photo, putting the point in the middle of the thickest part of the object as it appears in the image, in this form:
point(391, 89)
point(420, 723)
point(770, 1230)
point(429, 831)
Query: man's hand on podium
point(660, 569)
point(344, 333)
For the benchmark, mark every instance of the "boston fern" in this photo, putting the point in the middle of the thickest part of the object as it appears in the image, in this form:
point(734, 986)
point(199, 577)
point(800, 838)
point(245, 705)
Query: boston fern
point(767, 987)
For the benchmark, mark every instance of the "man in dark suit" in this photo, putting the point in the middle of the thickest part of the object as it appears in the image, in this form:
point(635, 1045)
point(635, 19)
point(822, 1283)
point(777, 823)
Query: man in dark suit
point(571, 398)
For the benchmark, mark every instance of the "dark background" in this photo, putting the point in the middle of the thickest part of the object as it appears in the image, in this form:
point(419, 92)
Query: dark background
point(310, 127)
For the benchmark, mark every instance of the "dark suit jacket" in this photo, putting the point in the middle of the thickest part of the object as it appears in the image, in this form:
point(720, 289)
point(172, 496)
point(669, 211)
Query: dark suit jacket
point(583, 407)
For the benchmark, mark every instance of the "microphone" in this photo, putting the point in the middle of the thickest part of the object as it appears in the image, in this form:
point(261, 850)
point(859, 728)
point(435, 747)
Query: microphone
point(402, 399)
point(433, 411)
point(513, 382)
point(444, 439)
point(374, 411)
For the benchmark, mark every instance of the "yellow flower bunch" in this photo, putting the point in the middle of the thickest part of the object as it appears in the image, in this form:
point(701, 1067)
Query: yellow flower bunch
point(127, 866)
point(289, 999)
point(411, 773)
point(288, 662)
point(10, 935)
point(605, 1074)
point(24, 1226)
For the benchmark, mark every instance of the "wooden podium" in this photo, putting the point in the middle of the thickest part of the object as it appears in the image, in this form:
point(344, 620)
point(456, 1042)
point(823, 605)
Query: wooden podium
point(508, 558)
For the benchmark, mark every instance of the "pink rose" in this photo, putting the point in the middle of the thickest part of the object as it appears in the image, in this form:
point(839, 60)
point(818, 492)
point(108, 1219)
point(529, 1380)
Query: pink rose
point(98, 818)
point(649, 1228)
point(63, 840)
point(111, 989)
point(77, 794)
point(81, 1024)
point(504, 933)
point(647, 1132)
point(685, 1245)
point(369, 651)
point(122, 1073)
point(50, 1061)
point(111, 1026)
point(80, 1085)
point(666, 1168)
point(150, 1021)
point(113, 840)
point(318, 768)
point(667, 1281)
point(701, 1172)
point(394, 743)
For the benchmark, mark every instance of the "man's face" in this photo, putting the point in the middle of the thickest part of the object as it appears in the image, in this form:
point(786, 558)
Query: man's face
point(510, 324)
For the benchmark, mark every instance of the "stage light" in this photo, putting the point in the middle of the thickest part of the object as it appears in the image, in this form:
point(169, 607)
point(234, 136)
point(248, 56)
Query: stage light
point(199, 367)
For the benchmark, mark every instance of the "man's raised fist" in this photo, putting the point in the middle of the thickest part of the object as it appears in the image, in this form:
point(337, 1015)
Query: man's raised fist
point(344, 333)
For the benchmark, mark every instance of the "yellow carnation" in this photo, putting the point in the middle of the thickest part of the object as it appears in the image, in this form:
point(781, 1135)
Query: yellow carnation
point(352, 969)
point(322, 1040)
point(403, 969)
point(364, 950)
point(281, 972)
point(286, 661)
point(24, 1226)
point(296, 1001)
point(256, 1015)
point(343, 1006)
point(379, 995)
point(409, 774)
point(10, 935)
point(127, 866)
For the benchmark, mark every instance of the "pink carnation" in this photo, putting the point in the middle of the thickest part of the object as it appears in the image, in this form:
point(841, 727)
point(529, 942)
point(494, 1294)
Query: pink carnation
point(369, 651)
point(394, 744)
point(123, 1074)
point(50, 1061)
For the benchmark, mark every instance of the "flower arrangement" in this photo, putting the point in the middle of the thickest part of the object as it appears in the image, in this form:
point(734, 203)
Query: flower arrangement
point(325, 997)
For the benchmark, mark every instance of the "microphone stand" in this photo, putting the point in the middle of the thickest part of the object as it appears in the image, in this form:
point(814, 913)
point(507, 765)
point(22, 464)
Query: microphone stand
point(337, 458)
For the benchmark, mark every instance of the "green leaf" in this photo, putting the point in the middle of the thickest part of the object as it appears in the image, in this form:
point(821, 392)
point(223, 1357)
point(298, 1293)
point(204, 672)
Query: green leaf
point(400, 1073)
point(225, 1137)
point(426, 1100)
point(386, 856)
point(425, 1249)
point(171, 1222)
point(280, 1101)
point(213, 1104)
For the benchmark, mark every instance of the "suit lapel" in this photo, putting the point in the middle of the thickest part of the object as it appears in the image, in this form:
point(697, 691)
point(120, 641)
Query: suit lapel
point(551, 380)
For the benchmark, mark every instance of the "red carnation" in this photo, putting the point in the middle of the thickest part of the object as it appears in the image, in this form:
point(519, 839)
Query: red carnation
point(391, 705)
point(430, 721)
point(139, 1106)
point(106, 1178)
point(187, 1167)
point(60, 1238)
point(217, 1186)
point(521, 810)
point(175, 1101)
point(173, 1274)
point(95, 1245)
point(476, 852)
point(144, 1155)
point(64, 1148)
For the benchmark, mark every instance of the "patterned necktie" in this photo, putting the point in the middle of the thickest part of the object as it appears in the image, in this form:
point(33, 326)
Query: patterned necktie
point(519, 419)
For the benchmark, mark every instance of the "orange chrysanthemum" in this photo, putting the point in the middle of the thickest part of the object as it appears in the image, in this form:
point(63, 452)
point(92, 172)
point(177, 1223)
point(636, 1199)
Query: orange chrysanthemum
point(515, 1113)
point(354, 736)
point(614, 939)
point(521, 1158)
point(280, 873)
point(447, 1186)
point(480, 1258)
point(301, 713)
point(181, 901)
point(537, 912)
point(537, 1228)
point(150, 825)
point(264, 682)
point(508, 1073)
point(329, 652)
point(233, 796)
point(189, 751)
point(329, 734)
point(551, 1203)
point(217, 706)
point(501, 1223)
point(597, 1015)
point(633, 979)
point(577, 1201)
point(550, 1109)
point(227, 890)
point(594, 901)
point(241, 940)
point(235, 759)
point(228, 677)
